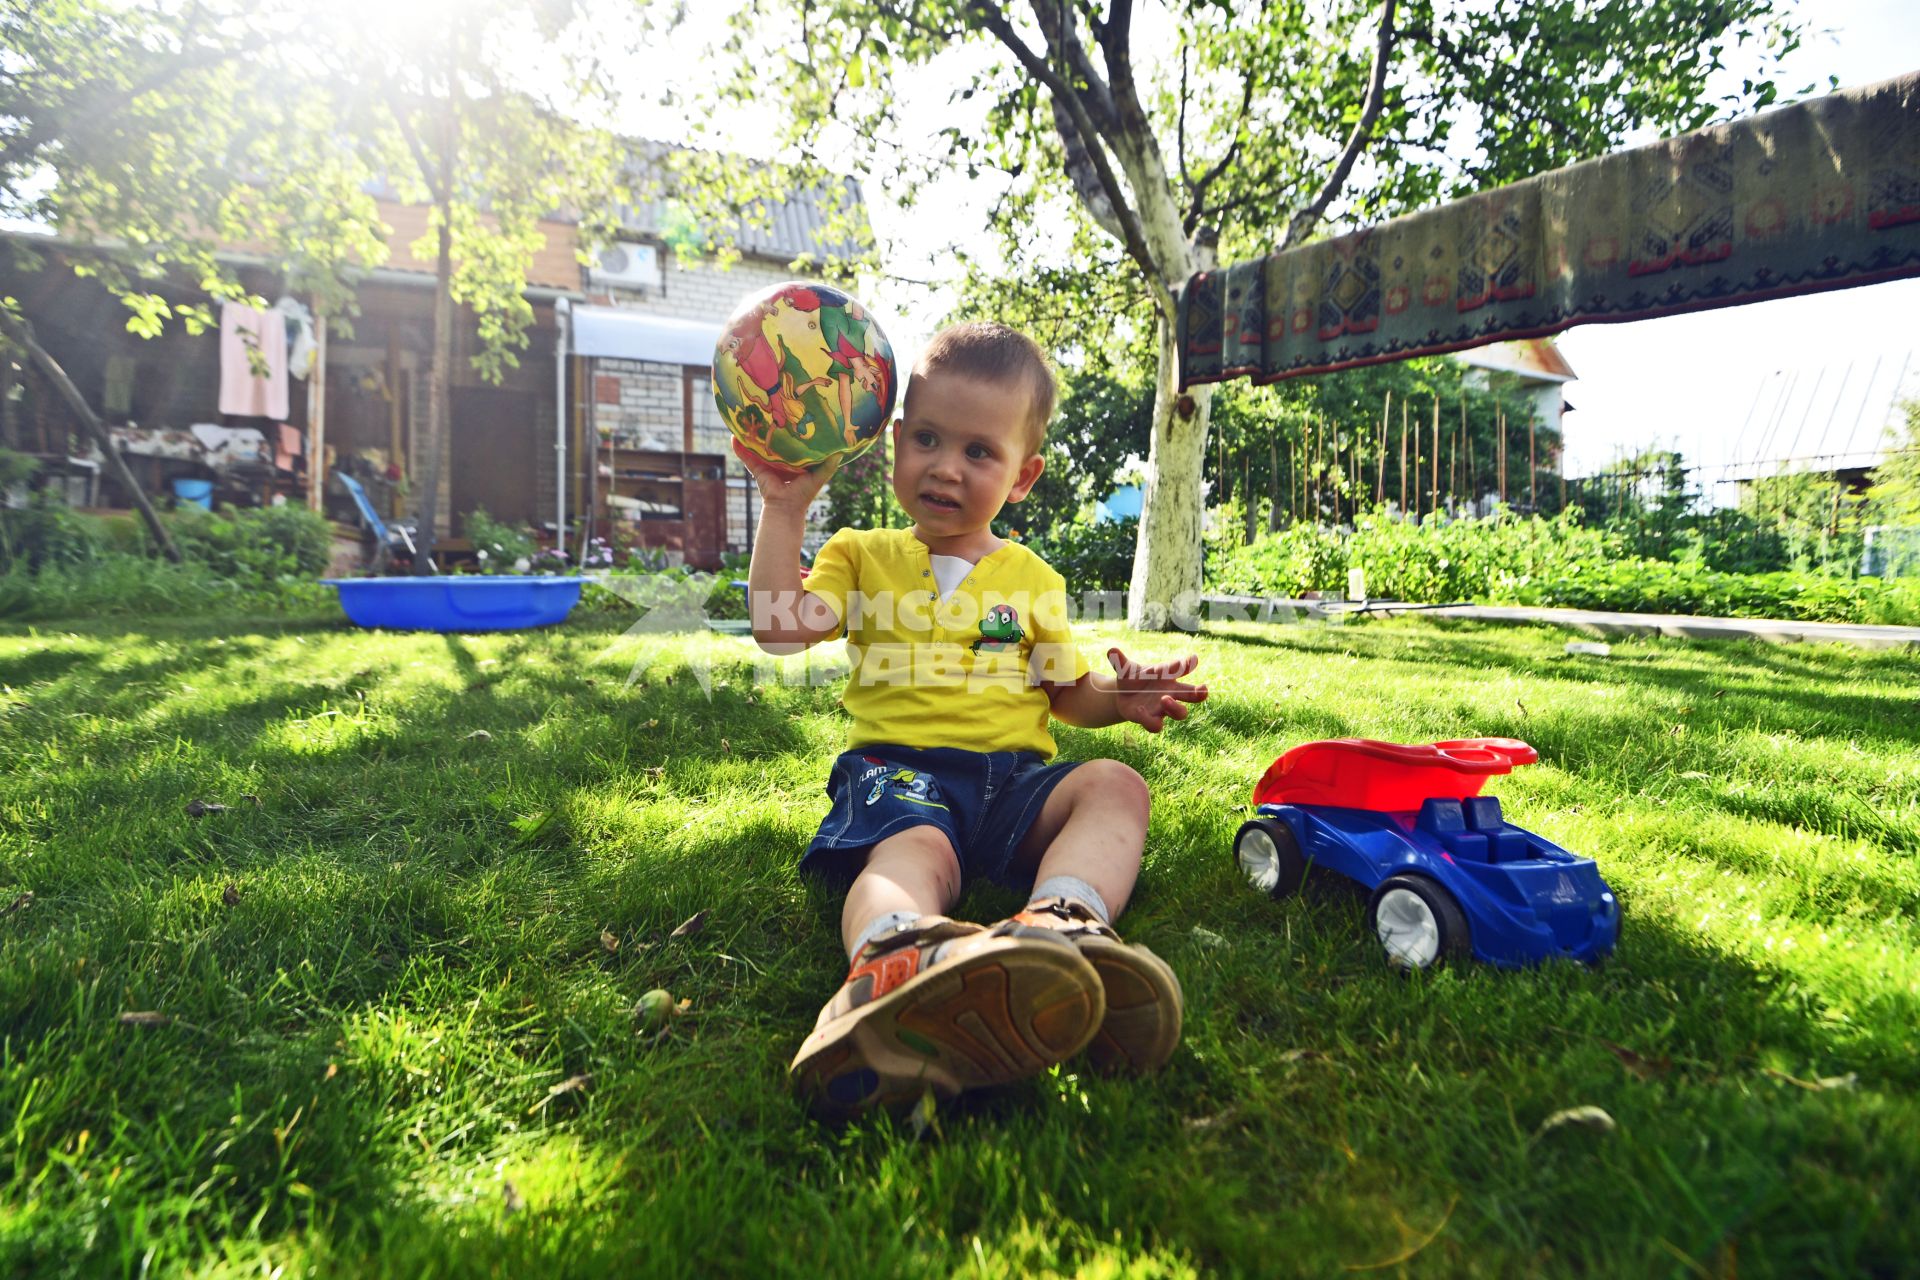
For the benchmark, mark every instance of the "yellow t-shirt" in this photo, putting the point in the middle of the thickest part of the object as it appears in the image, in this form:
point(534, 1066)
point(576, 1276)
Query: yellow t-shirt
point(961, 673)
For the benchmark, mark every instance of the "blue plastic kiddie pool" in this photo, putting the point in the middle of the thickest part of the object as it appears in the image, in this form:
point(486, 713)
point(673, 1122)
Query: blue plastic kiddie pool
point(457, 603)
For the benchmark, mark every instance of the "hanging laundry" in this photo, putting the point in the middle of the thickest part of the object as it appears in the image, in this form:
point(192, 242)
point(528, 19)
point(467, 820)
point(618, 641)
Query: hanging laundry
point(300, 337)
point(246, 334)
point(230, 446)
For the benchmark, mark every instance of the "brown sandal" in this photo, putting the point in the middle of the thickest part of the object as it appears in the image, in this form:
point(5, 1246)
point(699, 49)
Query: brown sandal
point(1144, 1006)
point(996, 1005)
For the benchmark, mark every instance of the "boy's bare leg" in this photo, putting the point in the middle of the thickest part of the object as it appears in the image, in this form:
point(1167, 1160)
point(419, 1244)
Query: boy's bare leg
point(1085, 853)
point(911, 872)
point(1093, 828)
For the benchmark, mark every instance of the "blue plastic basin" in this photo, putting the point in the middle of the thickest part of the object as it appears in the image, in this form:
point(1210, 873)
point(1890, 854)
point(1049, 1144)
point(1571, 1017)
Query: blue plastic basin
point(457, 603)
point(198, 492)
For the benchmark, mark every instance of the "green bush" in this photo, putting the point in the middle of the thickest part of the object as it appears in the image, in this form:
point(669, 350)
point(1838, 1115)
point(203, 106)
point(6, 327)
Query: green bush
point(1559, 562)
point(253, 546)
point(55, 562)
point(643, 586)
point(115, 583)
point(501, 548)
point(1655, 586)
point(46, 533)
point(1091, 556)
point(1427, 563)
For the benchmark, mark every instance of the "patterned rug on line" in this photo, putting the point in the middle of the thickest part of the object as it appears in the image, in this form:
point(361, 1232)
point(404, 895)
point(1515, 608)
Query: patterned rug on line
point(1824, 194)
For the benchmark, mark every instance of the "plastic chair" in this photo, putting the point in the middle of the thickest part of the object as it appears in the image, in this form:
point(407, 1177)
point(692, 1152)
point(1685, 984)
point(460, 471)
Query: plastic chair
point(387, 539)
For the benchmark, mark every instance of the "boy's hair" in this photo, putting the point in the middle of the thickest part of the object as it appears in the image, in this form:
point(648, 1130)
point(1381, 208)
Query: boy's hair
point(995, 352)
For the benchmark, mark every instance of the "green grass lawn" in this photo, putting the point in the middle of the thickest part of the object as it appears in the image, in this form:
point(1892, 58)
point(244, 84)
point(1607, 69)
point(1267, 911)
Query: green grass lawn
point(381, 972)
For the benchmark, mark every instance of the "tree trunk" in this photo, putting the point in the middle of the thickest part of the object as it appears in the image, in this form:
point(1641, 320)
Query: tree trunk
point(9, 428)
point(440, 373)
point(439, 399)
point(1167, 560)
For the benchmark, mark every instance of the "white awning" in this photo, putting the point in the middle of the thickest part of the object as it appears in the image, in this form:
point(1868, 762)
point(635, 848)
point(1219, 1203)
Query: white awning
point(636, 335)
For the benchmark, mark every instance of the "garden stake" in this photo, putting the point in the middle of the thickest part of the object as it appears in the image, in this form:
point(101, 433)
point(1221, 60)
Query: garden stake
point(1532, 499)
point(1380, 472)
point(1434, 506)
point(1403, 458)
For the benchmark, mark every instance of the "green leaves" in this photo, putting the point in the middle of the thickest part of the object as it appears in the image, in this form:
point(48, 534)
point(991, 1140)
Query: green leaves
point(164, 133)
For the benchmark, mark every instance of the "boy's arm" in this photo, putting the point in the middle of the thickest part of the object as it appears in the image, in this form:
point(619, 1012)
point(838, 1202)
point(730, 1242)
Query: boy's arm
point(1145, 694)
point(787, 618)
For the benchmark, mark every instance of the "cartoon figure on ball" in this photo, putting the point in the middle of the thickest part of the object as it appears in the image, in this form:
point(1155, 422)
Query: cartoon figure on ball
point(803, 376)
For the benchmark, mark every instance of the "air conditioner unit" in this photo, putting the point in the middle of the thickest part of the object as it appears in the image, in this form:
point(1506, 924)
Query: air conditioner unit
point(628, 265)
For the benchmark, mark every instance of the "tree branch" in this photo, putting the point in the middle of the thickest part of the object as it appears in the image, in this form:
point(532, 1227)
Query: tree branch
point(22, 333)
point(1256, 197)
point(1116, 40)
point(1199, 189)
point(1056, 26)
point(428, 173)
point(1180, 132)
point(1303, 222)
point(1131, 233)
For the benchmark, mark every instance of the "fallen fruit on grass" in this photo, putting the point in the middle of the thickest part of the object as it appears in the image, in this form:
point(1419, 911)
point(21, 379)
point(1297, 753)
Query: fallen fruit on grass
point(1581, 1117)
point(657, 1008)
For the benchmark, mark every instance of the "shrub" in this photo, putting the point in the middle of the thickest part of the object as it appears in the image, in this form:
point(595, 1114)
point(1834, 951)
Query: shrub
point(1435, 561)
point(501, 548)
point(55, 562)
point(1558, 562)
point(1656, 586)
point(1091, 556)
point(254, 546)
point(116, 583)
point(46, 533)
point(646, 588)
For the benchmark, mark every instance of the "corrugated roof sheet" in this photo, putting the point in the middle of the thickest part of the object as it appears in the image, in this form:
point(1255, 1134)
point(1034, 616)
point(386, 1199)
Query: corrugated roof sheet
point(798, 225)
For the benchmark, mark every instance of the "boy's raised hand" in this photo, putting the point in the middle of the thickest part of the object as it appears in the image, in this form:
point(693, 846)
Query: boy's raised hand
point(781, 487)
point(1147, 693)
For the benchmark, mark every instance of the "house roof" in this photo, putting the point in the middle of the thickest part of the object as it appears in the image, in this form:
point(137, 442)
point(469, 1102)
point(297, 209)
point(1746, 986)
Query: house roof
point(1538, 359)
point(799, 224)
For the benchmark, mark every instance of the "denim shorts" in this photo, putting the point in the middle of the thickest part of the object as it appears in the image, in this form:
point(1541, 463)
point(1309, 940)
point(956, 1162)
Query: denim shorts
point(983, 801)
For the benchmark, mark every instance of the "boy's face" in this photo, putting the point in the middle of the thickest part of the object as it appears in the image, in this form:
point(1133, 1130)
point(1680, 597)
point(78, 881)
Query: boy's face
point(961, 452)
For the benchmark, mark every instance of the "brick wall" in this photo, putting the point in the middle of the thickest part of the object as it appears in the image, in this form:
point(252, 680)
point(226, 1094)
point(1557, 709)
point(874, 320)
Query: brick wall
point(643, 403)
point(695, 289)
point(640, 404)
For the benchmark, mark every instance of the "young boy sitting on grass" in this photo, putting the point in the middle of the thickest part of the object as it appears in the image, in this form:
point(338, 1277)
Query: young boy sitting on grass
point(960, 651)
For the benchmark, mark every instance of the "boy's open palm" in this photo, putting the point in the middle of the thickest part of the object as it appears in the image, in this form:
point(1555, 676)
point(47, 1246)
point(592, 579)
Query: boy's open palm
point(1148, 693)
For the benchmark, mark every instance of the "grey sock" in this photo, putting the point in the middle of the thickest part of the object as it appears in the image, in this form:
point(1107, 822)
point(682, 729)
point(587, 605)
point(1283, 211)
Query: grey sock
point(885, 924)
point(1077, 889)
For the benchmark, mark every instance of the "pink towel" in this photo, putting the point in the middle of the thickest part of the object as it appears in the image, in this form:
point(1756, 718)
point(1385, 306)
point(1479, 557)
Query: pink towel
point(241, 392)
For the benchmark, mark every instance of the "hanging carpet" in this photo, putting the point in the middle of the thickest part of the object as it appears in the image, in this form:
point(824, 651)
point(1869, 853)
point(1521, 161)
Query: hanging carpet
point(1824, 194)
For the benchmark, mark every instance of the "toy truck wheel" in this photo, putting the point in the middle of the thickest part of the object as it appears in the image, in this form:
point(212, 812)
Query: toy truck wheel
point(1418, 922)
point(1270, 857)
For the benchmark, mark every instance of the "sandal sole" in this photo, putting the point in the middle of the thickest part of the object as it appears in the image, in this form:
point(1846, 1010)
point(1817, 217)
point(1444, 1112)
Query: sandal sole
point(1007, 1010)
point(1144, 1008)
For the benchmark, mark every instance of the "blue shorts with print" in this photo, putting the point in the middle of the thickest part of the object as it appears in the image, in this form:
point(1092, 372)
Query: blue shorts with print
point(984, 802)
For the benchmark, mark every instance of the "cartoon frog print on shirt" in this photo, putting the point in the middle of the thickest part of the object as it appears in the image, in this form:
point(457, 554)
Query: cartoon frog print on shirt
point(999, 630)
